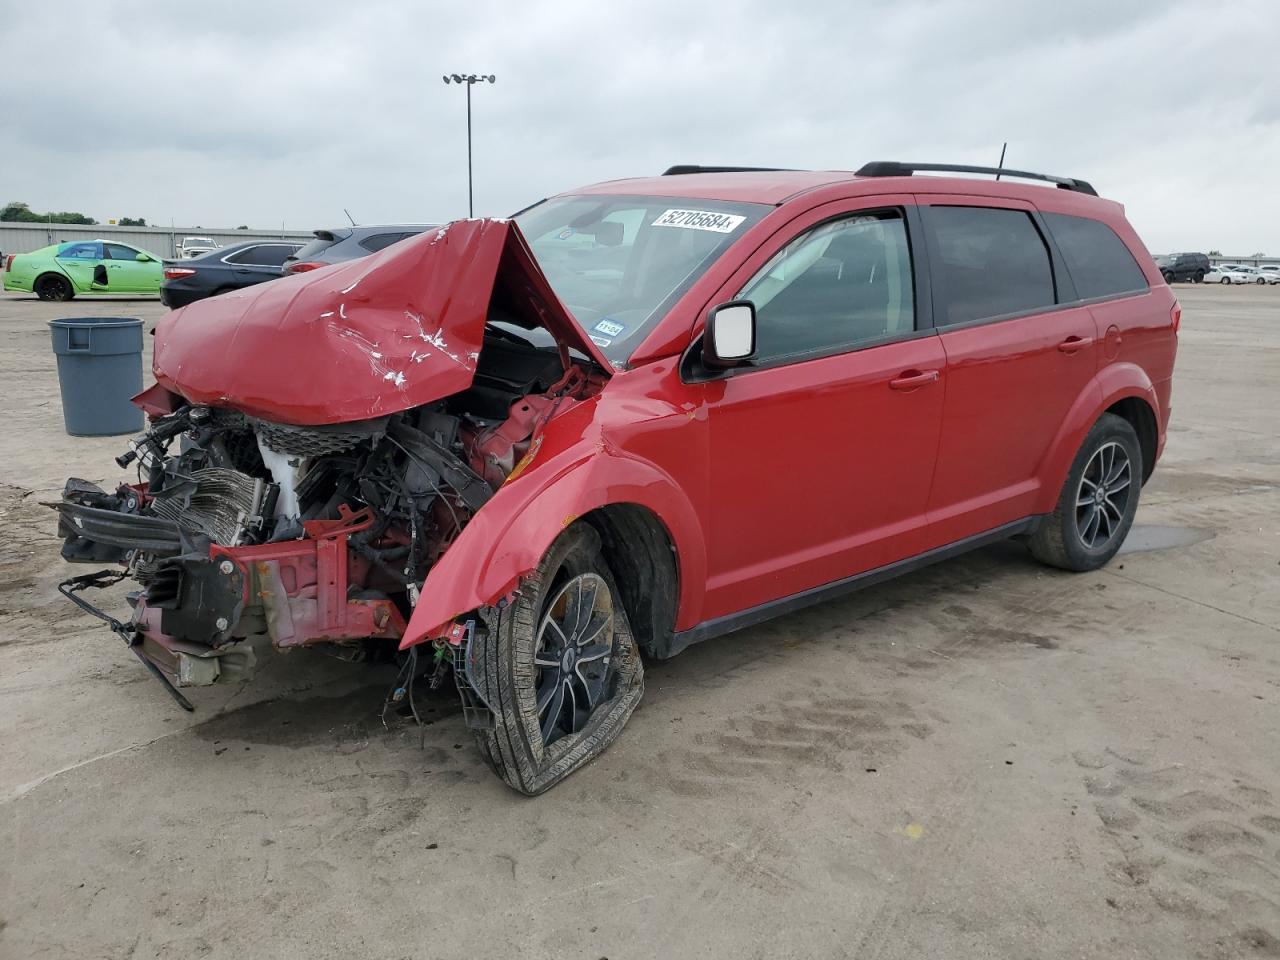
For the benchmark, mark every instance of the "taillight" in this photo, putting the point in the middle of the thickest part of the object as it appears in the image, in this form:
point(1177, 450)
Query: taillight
point(1175, 314)
point(8, 261)
point(177, 273)
point(302, 266)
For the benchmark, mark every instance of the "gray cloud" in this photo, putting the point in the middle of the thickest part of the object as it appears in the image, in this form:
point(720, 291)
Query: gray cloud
point(287, 112)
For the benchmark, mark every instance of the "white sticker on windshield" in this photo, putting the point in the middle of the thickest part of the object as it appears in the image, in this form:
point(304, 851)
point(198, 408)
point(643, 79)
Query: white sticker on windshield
point(610, 327)
point(600, 341)
point(699, 220)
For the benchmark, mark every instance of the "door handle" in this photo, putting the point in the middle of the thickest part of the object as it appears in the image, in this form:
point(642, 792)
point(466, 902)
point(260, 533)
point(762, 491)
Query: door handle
point(912, 379)
point(1073, 344)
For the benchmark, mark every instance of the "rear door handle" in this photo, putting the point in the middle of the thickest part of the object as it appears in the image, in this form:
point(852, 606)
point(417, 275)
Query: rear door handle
point(912, 379)
point(1073, 344)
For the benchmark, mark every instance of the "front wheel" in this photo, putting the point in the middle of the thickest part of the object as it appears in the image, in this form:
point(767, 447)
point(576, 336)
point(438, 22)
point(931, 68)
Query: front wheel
point(1199, 276)
point(1098, 501)
point(562, 672)
point(53, 287)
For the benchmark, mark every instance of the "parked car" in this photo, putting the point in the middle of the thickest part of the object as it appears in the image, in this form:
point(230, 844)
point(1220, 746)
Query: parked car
point(1270, 272)
point(195, 247)
point(229, 268)
point(1183, 266)
point(1219, 273)
point(60, 271)
point(638, 415)
point(350, 243)
point(1243, 273)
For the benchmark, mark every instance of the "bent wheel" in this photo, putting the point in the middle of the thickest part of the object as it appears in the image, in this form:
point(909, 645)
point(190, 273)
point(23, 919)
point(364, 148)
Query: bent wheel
point(562, 672)
point(1098, 500)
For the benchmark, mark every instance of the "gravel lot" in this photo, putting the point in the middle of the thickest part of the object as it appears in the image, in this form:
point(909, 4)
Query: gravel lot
point(984, 759)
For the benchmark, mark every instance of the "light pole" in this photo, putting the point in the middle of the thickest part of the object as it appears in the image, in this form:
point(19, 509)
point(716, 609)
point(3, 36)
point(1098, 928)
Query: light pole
point(469, 79)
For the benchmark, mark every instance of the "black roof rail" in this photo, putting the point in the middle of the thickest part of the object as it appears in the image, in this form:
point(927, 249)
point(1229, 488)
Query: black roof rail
point(892, 168)
point(682, 168)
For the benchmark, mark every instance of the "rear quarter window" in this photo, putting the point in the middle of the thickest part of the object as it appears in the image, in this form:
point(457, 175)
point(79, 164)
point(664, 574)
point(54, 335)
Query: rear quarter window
point(264, 254)
point(1100, 263)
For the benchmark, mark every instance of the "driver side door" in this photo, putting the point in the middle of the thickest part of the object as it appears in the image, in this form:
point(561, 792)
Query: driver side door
point(127, 274)
point(823, 448)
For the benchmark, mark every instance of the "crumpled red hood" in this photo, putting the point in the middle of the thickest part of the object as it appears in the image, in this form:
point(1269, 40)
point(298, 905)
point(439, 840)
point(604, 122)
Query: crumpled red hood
point(361, 339)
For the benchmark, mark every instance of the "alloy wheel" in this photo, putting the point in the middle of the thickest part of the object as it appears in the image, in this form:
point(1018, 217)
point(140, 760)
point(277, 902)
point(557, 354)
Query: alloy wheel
point(1103, 495)
point(572, 655)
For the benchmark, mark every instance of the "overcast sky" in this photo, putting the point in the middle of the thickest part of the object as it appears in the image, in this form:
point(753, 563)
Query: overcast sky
point(262, 113)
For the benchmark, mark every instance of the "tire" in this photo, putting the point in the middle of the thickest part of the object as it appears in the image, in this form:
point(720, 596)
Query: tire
point(1070, 537)
point(1168, 277)
point(522, 656)
point(1199, 276)
point(1226, 279)
point(53, 287)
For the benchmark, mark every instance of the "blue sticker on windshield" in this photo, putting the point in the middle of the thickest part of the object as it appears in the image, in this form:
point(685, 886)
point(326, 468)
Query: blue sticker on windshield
point(610, 328)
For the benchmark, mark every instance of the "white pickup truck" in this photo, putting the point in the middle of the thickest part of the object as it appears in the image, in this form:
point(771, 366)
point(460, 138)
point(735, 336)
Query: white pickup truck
point(194, 246)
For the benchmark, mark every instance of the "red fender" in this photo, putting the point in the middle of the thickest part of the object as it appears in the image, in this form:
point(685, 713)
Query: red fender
point(1113, 383)
point(506, 539)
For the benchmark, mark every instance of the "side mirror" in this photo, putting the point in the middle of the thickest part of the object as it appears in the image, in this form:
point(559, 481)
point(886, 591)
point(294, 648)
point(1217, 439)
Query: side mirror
point(142, 258)
point(731, 334)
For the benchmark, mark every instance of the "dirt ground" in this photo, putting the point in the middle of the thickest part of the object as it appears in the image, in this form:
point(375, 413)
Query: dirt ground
point(984, 759)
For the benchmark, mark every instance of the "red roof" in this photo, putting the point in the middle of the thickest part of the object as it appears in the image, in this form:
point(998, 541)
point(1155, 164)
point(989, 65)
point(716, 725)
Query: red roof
point(756, 186)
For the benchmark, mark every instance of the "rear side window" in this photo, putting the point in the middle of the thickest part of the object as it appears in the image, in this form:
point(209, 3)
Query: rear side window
point(264, 254)
point(380, 241)
point(842, 284)
point(989, 263)
point(81, 251)
point(1100, 263)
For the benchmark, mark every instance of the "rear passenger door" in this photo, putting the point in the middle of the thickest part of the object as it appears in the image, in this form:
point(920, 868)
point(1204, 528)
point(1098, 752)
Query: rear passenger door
point(1018, 357)
point(82, 262)
point(263, 261)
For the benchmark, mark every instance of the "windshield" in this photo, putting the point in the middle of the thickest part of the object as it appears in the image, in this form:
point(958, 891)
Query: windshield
point(618, 263)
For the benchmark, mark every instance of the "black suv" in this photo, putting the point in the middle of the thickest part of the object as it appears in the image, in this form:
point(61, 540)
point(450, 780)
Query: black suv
point(1183, 266)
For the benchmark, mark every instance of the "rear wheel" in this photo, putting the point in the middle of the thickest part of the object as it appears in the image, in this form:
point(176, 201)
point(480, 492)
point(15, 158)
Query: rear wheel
point(1168, 276)
point(562, 672)
point(1098, 501)
point(53, 287)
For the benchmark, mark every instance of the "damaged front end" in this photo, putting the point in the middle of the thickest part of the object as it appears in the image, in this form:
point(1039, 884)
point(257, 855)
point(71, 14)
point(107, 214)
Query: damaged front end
point(264, 510)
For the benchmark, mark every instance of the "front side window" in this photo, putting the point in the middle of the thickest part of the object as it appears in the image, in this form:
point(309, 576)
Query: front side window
point(989, 263)
point(1099, 262)
point(617, 262)
point(118, 251)
point(841, 284)
point(81, 251)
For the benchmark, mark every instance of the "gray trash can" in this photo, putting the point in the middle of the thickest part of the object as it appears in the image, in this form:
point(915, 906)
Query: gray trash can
point(99, 369)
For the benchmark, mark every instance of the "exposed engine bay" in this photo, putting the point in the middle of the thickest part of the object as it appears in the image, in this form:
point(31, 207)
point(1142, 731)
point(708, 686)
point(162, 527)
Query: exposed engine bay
point(239, 528)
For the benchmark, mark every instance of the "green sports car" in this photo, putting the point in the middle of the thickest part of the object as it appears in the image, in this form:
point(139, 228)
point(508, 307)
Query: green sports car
point(61, 271)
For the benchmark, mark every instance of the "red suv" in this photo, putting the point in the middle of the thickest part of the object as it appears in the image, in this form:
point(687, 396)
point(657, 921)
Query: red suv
point(639, 415)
